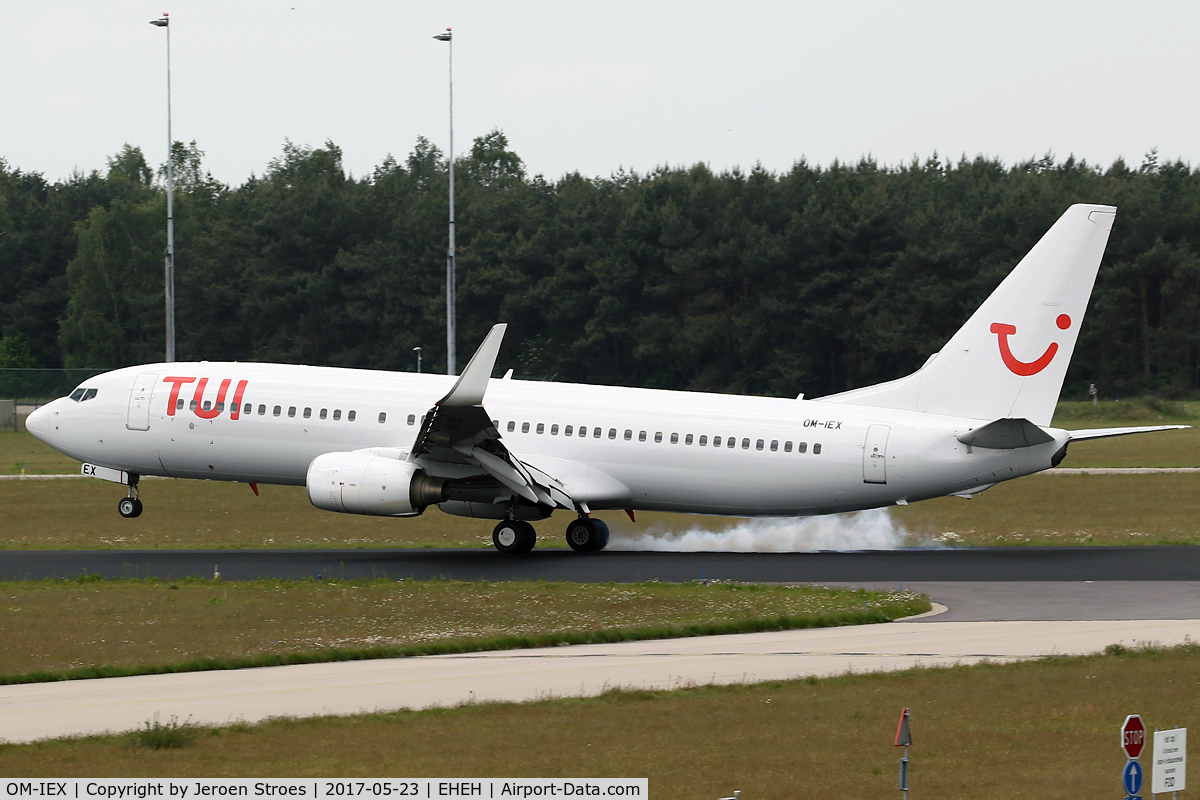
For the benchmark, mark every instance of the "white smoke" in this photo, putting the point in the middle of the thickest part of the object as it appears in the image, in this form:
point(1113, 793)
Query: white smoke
point(865, 530)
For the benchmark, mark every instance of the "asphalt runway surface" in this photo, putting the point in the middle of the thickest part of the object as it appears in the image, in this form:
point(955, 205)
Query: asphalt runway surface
point(1028, 564)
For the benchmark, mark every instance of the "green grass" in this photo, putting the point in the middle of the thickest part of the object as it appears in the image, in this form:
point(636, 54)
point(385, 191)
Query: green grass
point(19, 450)
point(1063, 510)
point(1044, 728)
point(89, 628)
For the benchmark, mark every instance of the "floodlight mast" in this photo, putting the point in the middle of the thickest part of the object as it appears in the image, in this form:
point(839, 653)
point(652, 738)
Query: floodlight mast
point(169, 257)
point(451, 334)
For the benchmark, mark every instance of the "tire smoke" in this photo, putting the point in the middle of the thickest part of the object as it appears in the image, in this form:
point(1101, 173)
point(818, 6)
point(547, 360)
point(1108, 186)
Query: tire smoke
point(865, 530)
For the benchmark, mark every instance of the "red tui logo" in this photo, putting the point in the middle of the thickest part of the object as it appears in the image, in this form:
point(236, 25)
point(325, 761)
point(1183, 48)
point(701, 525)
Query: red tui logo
point(1026, 368)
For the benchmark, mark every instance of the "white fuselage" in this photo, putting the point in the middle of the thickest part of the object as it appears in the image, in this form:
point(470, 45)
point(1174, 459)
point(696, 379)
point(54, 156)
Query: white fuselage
point(788, 457)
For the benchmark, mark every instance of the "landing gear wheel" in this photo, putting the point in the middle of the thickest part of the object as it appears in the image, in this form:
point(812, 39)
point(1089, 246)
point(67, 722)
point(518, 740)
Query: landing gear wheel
point(586, 535)
point(514, 536)
point(129, 507)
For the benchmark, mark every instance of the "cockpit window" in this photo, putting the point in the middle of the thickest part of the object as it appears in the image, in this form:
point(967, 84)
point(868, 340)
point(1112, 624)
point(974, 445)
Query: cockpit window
point(81, 394)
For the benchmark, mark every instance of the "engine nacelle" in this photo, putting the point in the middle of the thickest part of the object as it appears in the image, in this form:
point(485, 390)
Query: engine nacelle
point(364, 483)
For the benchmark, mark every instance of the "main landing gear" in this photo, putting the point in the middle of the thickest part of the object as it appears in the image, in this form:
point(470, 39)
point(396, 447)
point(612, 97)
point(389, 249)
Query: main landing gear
point(584, 535)
point(514, 536)
point(131, 506)
point(587, 535)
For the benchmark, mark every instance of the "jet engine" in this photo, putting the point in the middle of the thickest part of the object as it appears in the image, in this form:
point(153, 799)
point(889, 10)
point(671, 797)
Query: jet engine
point(364, 483)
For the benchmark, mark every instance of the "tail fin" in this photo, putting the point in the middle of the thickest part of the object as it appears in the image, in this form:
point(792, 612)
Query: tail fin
point(1010, 358)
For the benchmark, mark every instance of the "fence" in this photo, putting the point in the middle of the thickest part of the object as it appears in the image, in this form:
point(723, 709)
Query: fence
point(37, 386)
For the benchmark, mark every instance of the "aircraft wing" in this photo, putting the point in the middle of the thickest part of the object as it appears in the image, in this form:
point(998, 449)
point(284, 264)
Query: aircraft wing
point(1104, 433)
point(459, 431)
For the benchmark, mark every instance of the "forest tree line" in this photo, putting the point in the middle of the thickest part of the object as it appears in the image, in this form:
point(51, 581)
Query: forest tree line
point(816, 280)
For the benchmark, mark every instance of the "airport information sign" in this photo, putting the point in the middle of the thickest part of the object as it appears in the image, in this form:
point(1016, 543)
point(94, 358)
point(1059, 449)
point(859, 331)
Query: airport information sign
point(1169, 773)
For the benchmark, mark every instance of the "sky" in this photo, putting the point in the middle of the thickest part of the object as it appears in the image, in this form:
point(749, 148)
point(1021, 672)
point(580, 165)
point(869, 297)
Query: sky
point(596, 87)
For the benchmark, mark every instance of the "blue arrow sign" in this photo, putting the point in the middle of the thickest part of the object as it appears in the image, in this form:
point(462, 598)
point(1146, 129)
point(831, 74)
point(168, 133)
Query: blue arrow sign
point(1132, 777)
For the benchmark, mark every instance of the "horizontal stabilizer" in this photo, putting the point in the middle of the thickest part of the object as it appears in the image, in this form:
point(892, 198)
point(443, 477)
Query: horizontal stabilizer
point(1006, 434)
point(1104, 433)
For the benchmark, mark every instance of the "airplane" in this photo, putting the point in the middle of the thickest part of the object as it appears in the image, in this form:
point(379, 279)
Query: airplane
point(382, 443)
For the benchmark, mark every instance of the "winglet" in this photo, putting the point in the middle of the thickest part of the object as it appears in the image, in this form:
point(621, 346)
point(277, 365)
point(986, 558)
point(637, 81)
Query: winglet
point(473, 382)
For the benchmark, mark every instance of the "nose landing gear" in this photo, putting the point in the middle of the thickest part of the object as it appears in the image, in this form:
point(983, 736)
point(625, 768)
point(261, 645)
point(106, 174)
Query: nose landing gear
point(131, 506)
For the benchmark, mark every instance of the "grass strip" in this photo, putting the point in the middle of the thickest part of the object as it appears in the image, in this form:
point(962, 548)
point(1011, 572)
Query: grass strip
point(1039, 728)
point(883, 613)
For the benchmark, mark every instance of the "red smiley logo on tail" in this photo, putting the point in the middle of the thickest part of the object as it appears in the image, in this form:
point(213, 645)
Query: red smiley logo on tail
point(1026, 368)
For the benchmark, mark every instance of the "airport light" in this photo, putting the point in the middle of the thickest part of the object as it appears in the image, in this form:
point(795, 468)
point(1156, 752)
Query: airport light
point(169, 256)
point(451, 368)
point(417, 350)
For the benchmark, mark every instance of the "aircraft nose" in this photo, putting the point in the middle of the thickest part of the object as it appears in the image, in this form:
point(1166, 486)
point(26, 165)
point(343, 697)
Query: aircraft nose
point(38, 423)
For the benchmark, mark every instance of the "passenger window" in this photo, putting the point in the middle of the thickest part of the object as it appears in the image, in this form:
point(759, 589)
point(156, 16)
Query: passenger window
point(245, 409)
point(687, 439)
point(596, 433)
point(716, 441)
point(787, 446)
point(277, 411)
point(512, 426)
point(567, 431)
point(411, 418)
point(541, 428)
point(308, 413)
point(704, 441)
point(524, 427)
point(324, 413)
point(628, 435)
point(88, 395)
point(774, 445)
point(802, 447)
point(179, 405)
point(77, 395)
point(816, 448)
point(350, 416)
point(263, 409)
point(554, 429)
point(291, 411)
point(337, 414)
point(382, 417)
point(731, 441)
point(207, 405)
point(192, 405)
point(612, 433)
point(674, 438)
point(745, 444)
point(641, 436)
point(582, 430)
point(658, 437)
point(758, 445)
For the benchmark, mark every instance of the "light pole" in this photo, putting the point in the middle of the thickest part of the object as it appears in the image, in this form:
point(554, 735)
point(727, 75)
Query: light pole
point(169, 268)
point(451, 356)
point(418, 352)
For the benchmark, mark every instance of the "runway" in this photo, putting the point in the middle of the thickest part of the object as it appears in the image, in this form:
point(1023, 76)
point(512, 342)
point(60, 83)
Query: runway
point(982, 564)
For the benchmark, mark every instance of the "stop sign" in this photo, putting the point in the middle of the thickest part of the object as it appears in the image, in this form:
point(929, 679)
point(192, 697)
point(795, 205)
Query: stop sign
point(1133, 736)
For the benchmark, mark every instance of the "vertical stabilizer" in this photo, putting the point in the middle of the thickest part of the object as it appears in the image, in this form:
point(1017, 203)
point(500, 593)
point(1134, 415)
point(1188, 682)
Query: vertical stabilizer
point(1010, 358)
